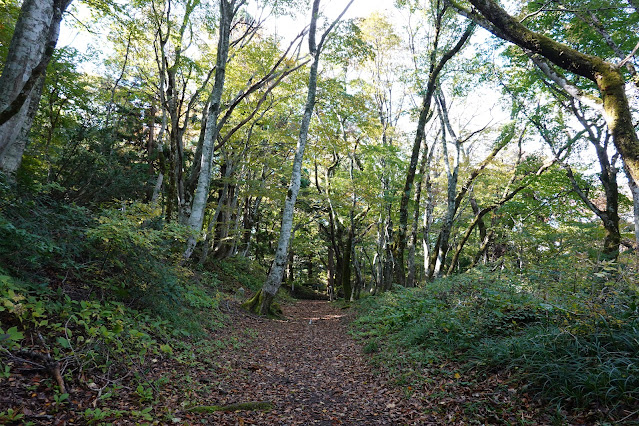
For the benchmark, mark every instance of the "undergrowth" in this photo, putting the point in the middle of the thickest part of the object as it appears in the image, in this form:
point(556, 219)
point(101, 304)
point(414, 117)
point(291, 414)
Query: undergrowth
point(98, 298)
point(238, 271)
point(577, 350)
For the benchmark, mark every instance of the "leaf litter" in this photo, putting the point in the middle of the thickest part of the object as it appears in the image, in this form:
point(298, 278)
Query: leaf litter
point(305, 369)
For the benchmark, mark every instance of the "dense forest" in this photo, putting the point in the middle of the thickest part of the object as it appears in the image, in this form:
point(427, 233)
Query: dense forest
point(217, 211)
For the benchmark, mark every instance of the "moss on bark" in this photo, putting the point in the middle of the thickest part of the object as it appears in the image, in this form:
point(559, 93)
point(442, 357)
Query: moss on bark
point(262, 303)
point(608, 78)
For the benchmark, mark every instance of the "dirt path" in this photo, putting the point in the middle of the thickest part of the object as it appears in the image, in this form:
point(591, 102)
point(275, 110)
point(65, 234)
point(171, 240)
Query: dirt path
point(311, 370)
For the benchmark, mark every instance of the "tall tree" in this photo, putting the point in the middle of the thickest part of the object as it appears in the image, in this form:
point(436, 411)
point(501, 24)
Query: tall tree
point(435, 68)
point(436, 264)
point(262, 300)
point(607, 209)
point(608, 77)
point(389, 102)
point(216, 135)
point(228, 9)
point(32, 45)
point(175, 77)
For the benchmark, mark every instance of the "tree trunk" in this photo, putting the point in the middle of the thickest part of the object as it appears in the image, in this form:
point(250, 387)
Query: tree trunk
point(196, 219)
point(608, 78)
point(424, 171)
point(599, 139)
point(250, 224)
point(453, 173)
point(427, 223)
point(482, 249)
point(227, 230)
point(359, 280)
point(424, 116)
point(32, 45)
point(274, 279)
point(347, 288)
point(11, 158)
point(377, 259)
point(290, 275)
point(211, 228)
point(331, 268)
point(149, 150)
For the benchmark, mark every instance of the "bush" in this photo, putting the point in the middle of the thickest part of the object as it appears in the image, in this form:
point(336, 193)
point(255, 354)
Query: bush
point(94, 334)
point(136, 255)
point(580, 348)
point(40, 236)
point(239, 271)
point(128, 254)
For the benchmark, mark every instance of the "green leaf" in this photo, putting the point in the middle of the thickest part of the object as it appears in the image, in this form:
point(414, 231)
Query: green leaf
point(14, 334)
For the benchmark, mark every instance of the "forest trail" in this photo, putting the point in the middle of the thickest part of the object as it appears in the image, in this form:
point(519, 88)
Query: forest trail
point(312, 372)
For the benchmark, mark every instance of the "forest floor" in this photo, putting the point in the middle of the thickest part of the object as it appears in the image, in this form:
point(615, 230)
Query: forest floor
point(304, 369)
point(310, 371)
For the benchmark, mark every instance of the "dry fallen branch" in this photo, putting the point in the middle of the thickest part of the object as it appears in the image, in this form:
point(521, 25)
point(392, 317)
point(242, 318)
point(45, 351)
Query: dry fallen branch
point(41, 362)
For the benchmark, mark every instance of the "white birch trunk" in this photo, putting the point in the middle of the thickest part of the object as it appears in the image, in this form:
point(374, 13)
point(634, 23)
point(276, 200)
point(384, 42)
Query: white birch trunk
point(227, 10)
point(453, 173)
point(274, 279)
point(32, 44)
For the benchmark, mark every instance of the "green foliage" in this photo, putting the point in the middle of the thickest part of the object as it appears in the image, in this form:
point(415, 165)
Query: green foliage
point(38, 234)
point(573, 341)
point(136, 253)
point(96, 415)
point(244, 272)
point(9, 11)
point(105, 295)
point(93, 169)
point(105, 338)
point(128, 253)
point(144, 393)
point(348, 46)
point(10, 416)
point(10, 339)
point(95, 334)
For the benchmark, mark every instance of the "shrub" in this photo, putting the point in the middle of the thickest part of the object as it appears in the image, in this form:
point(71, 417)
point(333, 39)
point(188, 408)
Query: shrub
point(136, 256)
point(240, 271)
point(577, 347)
point(39, 235)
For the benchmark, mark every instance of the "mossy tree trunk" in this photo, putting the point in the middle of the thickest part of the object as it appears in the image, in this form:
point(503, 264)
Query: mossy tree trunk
point(260, 299)
point(605, 75)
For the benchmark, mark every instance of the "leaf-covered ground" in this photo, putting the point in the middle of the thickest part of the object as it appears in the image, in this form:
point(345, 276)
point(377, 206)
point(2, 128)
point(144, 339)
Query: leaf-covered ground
point(311, 371)
point(305, 369)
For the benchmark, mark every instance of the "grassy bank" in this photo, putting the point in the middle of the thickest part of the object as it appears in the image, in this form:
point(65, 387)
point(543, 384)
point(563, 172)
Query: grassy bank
point(98, 320)
point(572, 344)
